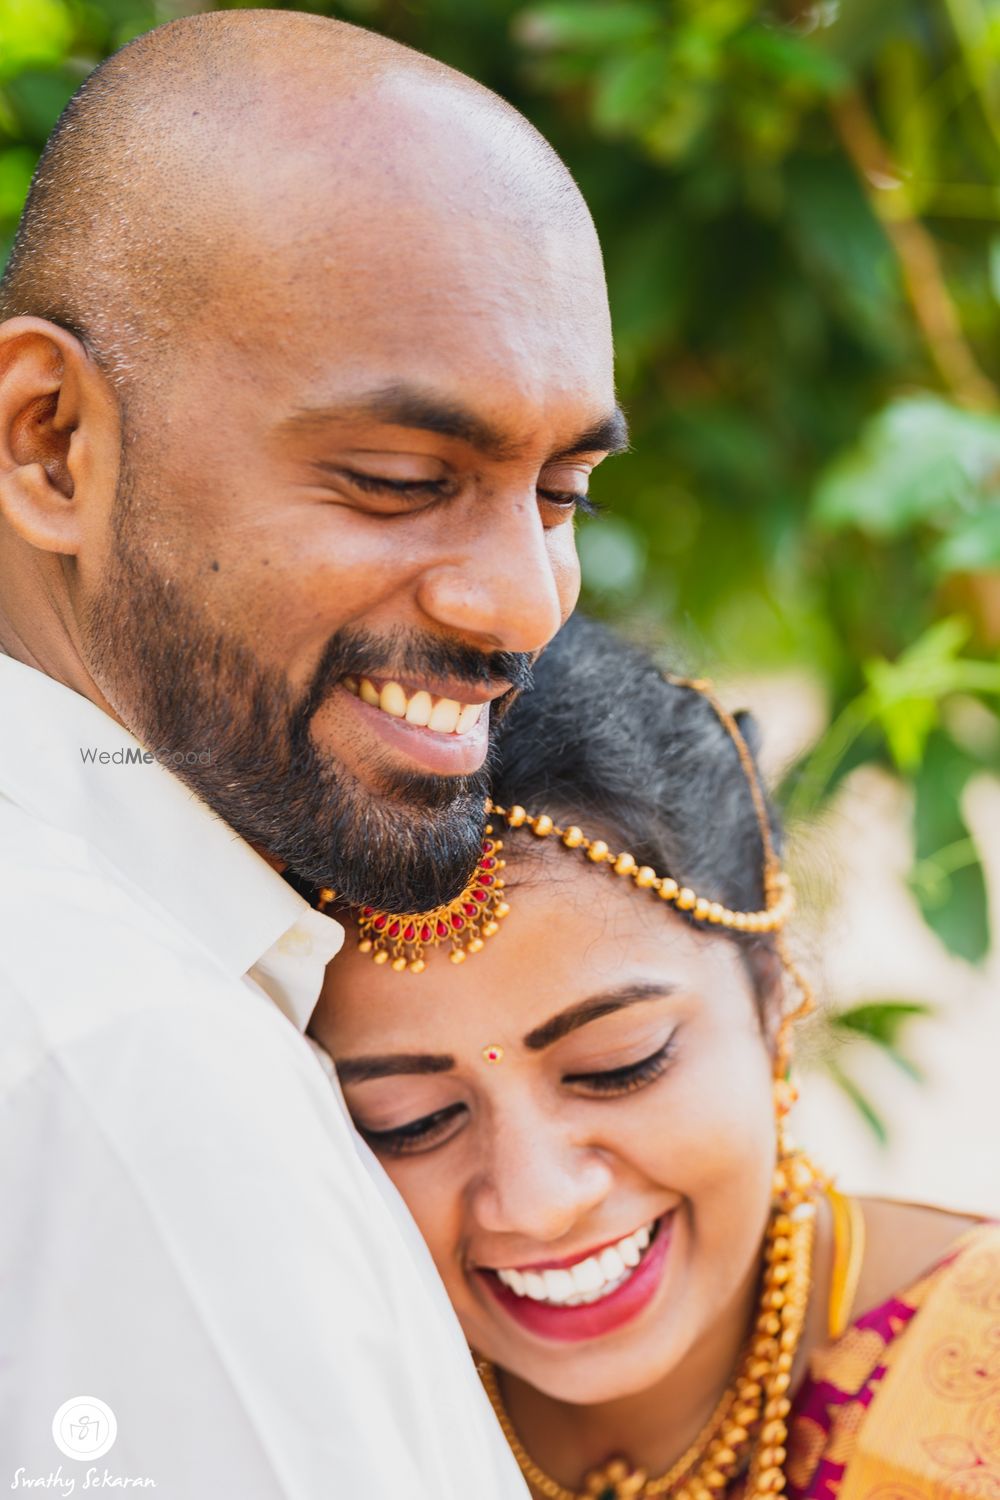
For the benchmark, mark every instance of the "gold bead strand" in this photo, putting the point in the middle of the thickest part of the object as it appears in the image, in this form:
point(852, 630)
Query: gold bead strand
point(791, 1251)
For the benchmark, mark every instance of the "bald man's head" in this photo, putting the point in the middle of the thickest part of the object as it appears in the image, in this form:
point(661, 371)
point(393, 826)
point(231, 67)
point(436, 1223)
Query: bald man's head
point(305, 364)
point(172, 172)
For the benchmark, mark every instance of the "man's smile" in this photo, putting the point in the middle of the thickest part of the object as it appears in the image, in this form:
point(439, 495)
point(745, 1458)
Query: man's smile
point(425, 707)
point(440, 734)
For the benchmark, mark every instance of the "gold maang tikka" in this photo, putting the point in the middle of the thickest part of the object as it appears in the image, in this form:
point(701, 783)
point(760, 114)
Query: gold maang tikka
point(402, 939)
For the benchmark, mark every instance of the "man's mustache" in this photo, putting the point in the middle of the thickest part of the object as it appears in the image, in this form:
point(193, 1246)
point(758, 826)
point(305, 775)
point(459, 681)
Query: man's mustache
point(419, 657)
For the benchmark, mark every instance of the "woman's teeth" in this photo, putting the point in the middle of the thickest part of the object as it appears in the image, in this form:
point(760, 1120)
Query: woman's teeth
point(589, 1280)
point(443, 715)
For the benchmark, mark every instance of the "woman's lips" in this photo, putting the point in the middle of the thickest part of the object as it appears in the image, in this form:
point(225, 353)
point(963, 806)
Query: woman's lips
point(589, 1320)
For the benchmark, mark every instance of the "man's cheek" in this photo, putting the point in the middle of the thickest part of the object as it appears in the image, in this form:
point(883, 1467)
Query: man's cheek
point(566, 571)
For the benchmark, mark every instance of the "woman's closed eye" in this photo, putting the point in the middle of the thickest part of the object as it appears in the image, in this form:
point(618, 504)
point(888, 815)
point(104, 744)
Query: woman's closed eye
point(416, 1135)
point(612, 1082)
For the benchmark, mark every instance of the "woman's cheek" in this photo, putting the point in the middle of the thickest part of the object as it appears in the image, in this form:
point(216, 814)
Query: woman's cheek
point(434, 1202)
point(718, 1135)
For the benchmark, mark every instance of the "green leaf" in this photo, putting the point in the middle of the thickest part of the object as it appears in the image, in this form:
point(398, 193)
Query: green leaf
point(39, 96)
point(32, 32)
point(591, 26)
point(842, 254)
point(972, 547)
point(791, 59)
point(905, 694)
point(630, 90)
point(880, 1021)
point(993, 260)
point(859, 1098)
point(16, 167)
point(947, 880)
point(922, 460)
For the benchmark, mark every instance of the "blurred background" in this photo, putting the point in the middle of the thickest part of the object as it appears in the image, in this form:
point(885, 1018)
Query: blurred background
point(800, 208)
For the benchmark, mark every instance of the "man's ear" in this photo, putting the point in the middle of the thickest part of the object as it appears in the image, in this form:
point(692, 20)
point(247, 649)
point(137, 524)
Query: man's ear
point(59, 433)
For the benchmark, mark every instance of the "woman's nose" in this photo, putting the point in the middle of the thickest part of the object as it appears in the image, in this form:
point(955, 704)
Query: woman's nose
point(539, 1189)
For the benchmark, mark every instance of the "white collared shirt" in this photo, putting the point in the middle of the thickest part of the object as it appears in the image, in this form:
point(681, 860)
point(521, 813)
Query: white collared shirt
point(190, 1229)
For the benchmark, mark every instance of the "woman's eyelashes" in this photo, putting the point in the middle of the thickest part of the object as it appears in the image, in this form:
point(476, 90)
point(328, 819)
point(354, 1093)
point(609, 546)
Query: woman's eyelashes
point(611, 1082)
point(435, 1129)
point(418, 1135)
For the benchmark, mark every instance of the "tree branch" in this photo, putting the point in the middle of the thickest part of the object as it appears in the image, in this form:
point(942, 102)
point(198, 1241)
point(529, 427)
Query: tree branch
point(916, 252)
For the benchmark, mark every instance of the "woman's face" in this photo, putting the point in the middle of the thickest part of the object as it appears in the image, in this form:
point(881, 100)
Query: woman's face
point(603, 1188)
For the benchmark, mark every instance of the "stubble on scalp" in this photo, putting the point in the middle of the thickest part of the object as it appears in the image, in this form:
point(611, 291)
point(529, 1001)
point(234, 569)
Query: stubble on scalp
point(174, 157)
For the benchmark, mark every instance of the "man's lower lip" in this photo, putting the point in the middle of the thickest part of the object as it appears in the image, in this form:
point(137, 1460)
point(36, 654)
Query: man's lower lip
point(444, 754)
point(593, 1319)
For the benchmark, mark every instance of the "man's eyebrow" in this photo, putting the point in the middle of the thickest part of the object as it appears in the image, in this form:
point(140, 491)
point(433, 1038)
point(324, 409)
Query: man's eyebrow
point(361, 1069)
point(402, 405)
point(604, 1004)
point(609, 435)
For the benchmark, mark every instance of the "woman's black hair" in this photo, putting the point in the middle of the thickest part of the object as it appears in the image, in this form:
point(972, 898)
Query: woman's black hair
point(604, 741)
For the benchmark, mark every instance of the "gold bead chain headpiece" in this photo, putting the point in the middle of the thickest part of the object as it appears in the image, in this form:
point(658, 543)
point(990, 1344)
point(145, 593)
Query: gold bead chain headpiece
point(404, 940)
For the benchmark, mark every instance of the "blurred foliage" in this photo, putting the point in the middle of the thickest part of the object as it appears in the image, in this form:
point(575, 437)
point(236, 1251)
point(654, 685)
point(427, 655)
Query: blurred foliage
point(883, 1025)
point(801, 213)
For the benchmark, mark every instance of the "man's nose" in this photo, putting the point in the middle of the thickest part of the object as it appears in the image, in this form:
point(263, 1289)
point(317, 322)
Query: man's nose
point(509, 586)
point(539, 1189)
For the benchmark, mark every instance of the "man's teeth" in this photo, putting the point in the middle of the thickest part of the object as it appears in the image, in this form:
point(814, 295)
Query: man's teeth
point(589, 1280)
point(443, 715)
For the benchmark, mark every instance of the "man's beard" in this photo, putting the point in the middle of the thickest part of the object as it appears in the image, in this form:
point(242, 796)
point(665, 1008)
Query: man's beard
point(237, 735)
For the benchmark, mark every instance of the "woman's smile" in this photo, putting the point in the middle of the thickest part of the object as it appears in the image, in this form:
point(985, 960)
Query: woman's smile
point(589, 1296)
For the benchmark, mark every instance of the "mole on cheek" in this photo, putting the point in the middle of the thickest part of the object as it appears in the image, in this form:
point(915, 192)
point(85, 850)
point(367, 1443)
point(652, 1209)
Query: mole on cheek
point(215, 567)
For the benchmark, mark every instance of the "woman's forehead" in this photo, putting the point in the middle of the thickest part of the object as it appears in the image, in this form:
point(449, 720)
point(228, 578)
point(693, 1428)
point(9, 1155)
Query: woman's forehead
point(572, 932)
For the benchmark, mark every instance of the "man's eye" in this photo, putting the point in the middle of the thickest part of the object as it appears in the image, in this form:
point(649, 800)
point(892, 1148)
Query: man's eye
point(379, 484)
point(626, 1080)
point(571, 500)
point(418, 1135)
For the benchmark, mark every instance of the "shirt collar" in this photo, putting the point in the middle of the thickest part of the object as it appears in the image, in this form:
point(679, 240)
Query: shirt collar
point(158, 834)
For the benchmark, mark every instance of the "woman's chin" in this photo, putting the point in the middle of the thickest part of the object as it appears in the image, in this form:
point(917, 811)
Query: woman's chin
point(591, 1377)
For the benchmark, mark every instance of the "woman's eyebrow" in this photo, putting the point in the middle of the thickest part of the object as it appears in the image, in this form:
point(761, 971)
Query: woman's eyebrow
point(604, 1004)
point(361, 1069)
point(393, 1064)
